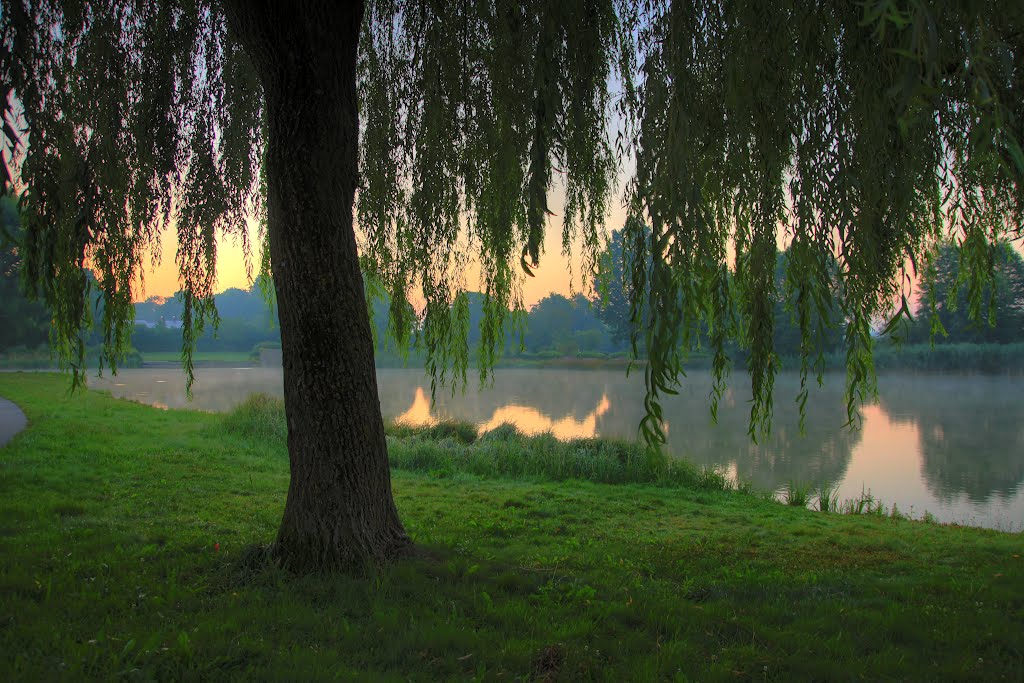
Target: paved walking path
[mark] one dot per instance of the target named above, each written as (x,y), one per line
(12,420)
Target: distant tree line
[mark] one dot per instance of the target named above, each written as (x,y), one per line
(616,282)
(247,320)
(557,326)
(944,314)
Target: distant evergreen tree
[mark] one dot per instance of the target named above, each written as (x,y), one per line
(23,321)
(615,281)
(952,309)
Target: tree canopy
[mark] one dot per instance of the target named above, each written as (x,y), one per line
(856,133)
(859,130)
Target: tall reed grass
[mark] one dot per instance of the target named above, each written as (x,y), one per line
(451,447)
(797,494)
(828,497)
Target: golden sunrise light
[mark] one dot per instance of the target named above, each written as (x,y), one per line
(164,280)
(556,273)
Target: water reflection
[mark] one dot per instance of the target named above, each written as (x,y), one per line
(953,446)
(527,419)
(821,454)
(419,412)
(214,390)
(554,395)
(532,421)
(971,433)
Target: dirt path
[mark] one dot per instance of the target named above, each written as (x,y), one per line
(12,421)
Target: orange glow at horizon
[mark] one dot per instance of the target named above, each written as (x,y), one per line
(555,273)
(164,280)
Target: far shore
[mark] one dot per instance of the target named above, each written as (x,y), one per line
(992,359)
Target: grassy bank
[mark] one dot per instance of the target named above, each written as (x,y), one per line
(455,448)
(43,359)
(123,533)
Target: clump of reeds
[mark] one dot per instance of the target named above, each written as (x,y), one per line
(828,497)
(259,416)
(797,494)
(865,504)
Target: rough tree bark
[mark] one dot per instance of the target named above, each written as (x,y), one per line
(340,512)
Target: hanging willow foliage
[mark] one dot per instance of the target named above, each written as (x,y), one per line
(122,119)
(857,133)
(862,132)
(467,109)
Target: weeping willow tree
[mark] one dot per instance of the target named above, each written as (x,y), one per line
(851,132)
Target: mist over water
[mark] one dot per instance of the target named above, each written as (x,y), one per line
(949,445)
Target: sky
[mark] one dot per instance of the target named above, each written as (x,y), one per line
(553,274)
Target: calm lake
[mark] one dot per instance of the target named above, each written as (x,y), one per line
(951,445)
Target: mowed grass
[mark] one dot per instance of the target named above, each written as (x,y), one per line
(126,533)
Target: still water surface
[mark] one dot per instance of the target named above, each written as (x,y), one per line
(949,445)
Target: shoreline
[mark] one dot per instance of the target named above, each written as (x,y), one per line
(129,532)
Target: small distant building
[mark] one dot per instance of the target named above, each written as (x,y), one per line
(165,323)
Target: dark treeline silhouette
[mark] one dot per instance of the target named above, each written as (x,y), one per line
(945,304)
(23,323)
(555,327)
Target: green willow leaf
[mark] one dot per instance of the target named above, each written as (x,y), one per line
(852,134)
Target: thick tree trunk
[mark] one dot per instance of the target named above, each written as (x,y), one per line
(340,512)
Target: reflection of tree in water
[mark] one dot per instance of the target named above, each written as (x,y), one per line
(532,421)
(821,454)
(553,393)
(526,418)
(971,431)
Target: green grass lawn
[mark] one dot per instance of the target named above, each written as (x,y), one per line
(124,533)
